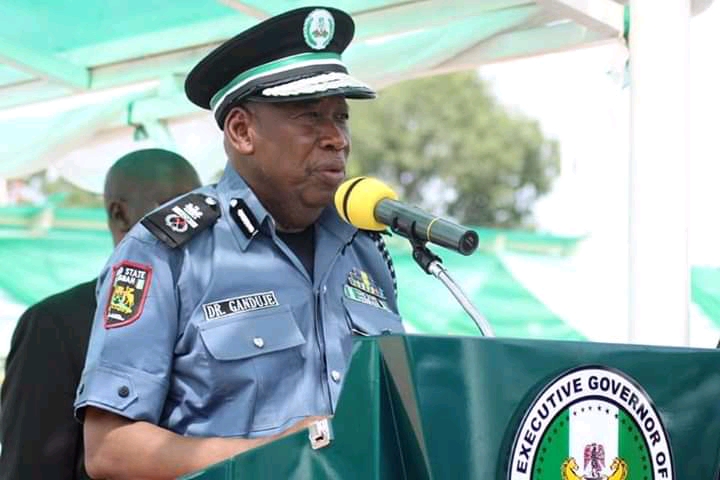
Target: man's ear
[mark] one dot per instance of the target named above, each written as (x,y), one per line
(118,217)
(239,130)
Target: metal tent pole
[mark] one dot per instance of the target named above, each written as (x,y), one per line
(658,239)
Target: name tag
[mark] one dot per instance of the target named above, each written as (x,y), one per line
(245,303)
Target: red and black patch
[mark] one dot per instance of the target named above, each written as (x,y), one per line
(128,292)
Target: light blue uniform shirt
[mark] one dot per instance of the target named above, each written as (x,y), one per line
(231,336)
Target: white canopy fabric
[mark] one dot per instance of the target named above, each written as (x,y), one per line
(76,78)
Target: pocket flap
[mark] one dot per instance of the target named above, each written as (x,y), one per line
(371,320)
(251,334)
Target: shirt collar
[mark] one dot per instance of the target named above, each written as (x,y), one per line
(232,185)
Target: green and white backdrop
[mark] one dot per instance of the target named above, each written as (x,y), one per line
(528,285)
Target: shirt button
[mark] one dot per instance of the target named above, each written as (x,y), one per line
(324,289)
(335,375)
(123,391)
(259,342)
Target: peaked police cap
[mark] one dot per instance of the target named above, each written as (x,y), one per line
(293,56)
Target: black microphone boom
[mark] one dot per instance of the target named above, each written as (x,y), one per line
(416,224)
(369,204)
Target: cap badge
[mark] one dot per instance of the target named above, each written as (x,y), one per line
(319,28)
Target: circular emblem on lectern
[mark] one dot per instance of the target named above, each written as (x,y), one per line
(591,423)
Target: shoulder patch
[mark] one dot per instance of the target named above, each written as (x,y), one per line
(128,292)
(177,222)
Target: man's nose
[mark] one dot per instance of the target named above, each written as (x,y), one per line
(333,135)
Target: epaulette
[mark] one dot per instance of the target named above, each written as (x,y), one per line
(180,220)
(380,244)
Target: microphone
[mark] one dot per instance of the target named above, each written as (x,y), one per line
(369,204)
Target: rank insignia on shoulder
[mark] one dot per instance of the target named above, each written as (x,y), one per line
(178,221)
(128,292)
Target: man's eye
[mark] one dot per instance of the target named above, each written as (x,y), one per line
(311,114)
(343,116)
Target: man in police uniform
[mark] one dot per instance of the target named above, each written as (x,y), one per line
(225,320)
(40,438)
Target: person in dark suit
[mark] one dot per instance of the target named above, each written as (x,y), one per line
(40,438)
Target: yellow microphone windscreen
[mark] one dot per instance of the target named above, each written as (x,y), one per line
(356,198)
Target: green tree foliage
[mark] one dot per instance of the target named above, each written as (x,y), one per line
(448,146)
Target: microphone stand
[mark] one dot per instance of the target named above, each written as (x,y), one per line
(432,265)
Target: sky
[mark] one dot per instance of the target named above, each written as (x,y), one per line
(578,102)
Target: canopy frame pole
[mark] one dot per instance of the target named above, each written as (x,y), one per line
(658,266)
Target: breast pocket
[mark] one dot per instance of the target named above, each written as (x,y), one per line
(364,319)
(249,355)
(251,334)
